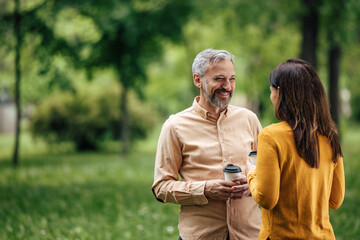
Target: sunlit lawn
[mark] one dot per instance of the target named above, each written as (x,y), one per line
(82,196)
(346,220)
(61,195)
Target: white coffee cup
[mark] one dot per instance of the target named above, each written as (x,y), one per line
(231,172)
(252,157)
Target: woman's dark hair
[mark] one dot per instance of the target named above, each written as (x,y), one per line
(303,105)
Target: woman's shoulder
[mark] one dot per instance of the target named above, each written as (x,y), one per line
(277,128)
(277,133)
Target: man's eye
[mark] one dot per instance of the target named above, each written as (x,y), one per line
(218,79)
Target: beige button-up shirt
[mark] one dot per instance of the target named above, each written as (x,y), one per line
(196,146)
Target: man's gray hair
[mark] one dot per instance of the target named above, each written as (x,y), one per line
(207,57)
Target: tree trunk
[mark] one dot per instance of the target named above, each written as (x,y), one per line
(309,28)
(17,22)
(334,29)
(125,131)
(334,59)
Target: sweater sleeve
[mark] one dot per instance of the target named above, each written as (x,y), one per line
(264,181)
(167,187)
(338,186)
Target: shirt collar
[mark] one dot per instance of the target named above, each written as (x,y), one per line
(204,113)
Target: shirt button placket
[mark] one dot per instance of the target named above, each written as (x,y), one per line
(222,143)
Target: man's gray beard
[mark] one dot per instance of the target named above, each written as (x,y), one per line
(212,98)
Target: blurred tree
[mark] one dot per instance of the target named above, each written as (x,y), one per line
(257,29)
(351,60)
(334,19)
(131,34)
(310,29)
(127,36)
(131,37)
(27,22)
(260,36)
(18,37)
(334,62)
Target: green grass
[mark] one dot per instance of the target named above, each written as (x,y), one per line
(56,194)
(82,196)
(346,220)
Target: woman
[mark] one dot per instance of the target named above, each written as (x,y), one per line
(299,172)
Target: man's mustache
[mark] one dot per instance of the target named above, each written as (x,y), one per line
(222,90)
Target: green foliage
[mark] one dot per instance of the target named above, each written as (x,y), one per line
(72,117)
(169,87)
(257,52)
(88,117)
(126,34)
(157,40)
(350,79)
(41,47)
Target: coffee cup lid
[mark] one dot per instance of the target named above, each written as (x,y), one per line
(231,168)
(252,153)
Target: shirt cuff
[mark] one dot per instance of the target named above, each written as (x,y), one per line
(198,190)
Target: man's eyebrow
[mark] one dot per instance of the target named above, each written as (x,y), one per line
(221,75)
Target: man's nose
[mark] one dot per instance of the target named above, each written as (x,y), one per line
(226,84)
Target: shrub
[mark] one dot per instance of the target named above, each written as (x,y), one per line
(88,117)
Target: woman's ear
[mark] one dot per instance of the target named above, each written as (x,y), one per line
(197,80)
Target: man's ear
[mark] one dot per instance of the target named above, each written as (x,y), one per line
(197,80)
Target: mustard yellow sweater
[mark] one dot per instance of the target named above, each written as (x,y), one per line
(294,197)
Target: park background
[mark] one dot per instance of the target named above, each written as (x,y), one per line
(91,83)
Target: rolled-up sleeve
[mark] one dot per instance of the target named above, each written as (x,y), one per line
(167,187)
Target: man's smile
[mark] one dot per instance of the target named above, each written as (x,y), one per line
(223,93)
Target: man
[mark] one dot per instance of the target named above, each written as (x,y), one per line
(197,144)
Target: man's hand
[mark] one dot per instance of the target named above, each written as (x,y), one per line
(218,189)
(241,189)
